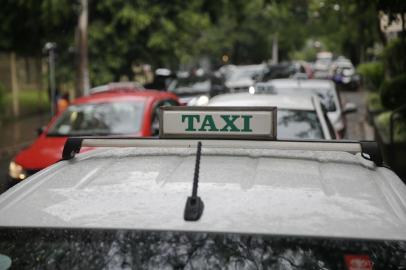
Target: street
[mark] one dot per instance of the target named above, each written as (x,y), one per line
(20,134)
(358,127)
(13,137)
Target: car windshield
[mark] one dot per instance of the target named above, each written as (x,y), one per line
(130,249)
(193,85)
(103,118)
(298,124)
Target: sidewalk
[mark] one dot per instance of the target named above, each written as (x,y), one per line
(20,133)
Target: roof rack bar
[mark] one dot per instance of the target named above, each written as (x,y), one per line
(369,149)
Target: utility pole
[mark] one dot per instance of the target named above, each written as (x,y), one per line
(14,84)
(275,49)
(82,73)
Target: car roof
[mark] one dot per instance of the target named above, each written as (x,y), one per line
(344,64)
(302,102)
(119,94)
(252,190)
(313,83)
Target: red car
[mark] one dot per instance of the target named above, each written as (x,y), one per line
(117,111)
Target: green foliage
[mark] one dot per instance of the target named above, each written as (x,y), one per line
(394,57)
(33,101)
(176,33)
(30,102)
(373,75)
(2,98)
(393,92)
(307,53)
(374,101)
(382,122)
(344,27)
(27,25)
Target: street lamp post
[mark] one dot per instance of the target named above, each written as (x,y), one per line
(50,49)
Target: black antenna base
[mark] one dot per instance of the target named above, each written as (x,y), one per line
(193,208)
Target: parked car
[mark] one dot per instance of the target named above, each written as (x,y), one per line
(298,69)
(344,74)
(201,203)
(298,117)
(324,89)
(108,111)
(241,78)
(322,66)
(196,89)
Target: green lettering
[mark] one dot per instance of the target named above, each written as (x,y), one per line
(246,123)
(230,119)
(189,119)
(208,122)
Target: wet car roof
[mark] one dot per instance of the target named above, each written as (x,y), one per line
(118,94)
(313,193)
(301,83)
(280,101)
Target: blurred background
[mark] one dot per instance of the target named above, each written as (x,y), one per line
(55,51)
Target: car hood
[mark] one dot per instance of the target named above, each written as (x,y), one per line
(44,152)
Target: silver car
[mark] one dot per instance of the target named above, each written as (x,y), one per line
(298,117)
(326,91)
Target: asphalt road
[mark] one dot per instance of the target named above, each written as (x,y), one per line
(17,135)
(13,137)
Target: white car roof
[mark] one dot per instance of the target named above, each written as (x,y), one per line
(292,83)
(258,190)
(281,101)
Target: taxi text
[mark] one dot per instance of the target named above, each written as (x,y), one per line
(228,123)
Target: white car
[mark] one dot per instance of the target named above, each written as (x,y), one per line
(298,117)
(326,91)
(255,204)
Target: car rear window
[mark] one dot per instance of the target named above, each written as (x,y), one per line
(29,248)
(190,85)
(299,124)
(102,118)
(327,95)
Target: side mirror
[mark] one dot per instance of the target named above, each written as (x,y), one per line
(155,125)
(350,108)
(40,130)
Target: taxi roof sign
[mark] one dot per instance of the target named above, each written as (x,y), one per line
(218,122)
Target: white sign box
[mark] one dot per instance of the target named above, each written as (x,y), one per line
(218,122)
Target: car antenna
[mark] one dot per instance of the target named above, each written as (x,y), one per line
(194,205)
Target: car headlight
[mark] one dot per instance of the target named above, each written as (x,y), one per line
(16,171)
(199,101)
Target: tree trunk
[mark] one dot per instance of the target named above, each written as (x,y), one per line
(14,85)
(82,76)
